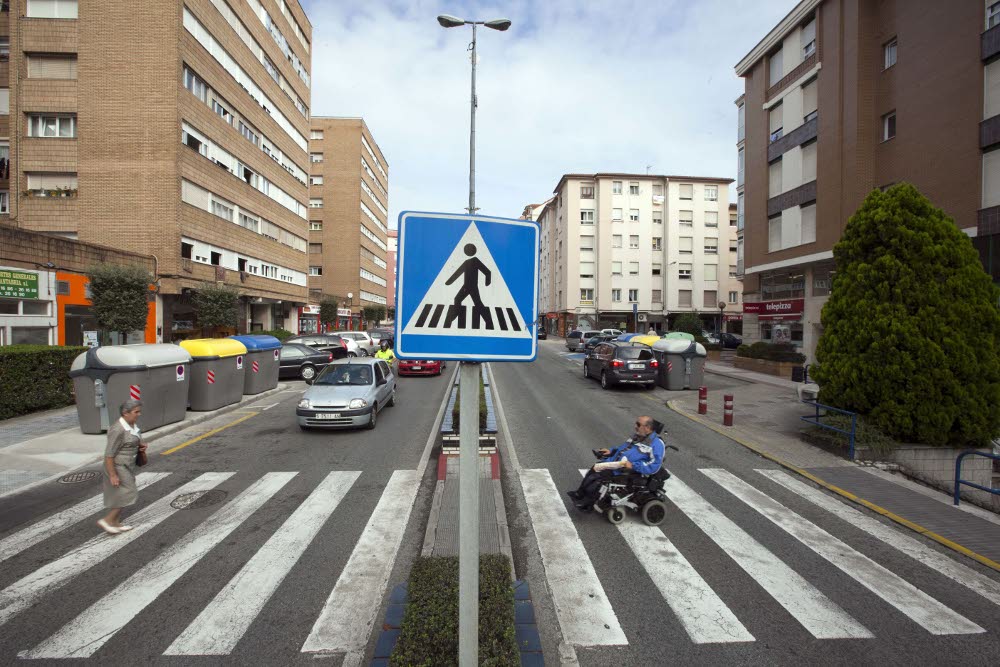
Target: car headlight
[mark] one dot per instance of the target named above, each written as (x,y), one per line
(358,403)
(305,404)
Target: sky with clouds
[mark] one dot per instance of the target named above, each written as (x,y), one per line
(574,86)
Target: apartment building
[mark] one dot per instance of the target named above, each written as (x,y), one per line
(546,297)
(175,129)
(390,270)
(844,96)
(633,251)
(348,215)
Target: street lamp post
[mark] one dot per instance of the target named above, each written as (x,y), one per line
(350,310)
(468,461)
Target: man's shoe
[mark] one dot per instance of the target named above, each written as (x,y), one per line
(575,495)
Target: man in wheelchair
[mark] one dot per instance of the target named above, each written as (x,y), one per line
(630,476)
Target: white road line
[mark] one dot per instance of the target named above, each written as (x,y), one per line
(582,607)
(88,632)
(976,582)
(348,616)
(14,544)
(705,617)
(221,625)
(52,576)
(816,612)
(927,612)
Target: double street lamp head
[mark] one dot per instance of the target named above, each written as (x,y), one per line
(449,21)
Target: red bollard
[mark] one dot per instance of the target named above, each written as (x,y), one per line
(727,410)
(702,400)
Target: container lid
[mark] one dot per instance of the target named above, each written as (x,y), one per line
(213,348)
(131,357)
(700,350)
(681,335)
(626,337)
(672,345)
(644,340)
(259,342)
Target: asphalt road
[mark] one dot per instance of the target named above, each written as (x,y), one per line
(722,565)
(214,569)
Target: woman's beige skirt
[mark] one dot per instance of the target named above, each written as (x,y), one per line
(123,495)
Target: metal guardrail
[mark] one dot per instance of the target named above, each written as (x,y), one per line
(815,419)
(958,474)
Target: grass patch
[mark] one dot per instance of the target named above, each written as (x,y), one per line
(455,417)
(867,436)
(429,635)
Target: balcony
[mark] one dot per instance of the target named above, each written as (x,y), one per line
(989,44)
(791,77)
(796,137)
(796,197)
(989,132)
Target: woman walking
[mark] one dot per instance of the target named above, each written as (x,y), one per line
(120,489)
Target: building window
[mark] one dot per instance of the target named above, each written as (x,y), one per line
(315,202)
(315,270)
(684,298)
(732,245)
(783,284)
(195,84)
(710,299)
(774,233)
(657,191)
(633,241)
(684,271)
(808,223)
(740,123)
(733,271)
(822,279)
(686,218)
(657,243)
(4,46)
(616,214)
(52,9)
(992,15)
(657,217)
(809,100)
(587,242)
(739,167)
(52,66)
(29,335)
(316,134)
(586,269)
(711,272)
(633,268)
(4,202)
(46,184)
(616,241)
(633,215)
(686,191)
(711,245)
(586,217)
(587,191)
(775,119)
(63,127)
(775,68)
(316,180)
(315,157)
(711,193)
(222,208)
(657,296)
(633,295)
(685,245)
(889,126)
(315,226)
(616,268)
(890,53)
(616,295)
(633,187)
(711,218)
(219,108)
(249,134)
(249,222)
(739,212)
(734,297)
(587,295)
(809,38)
(774,186)
(616,187)
(657,269)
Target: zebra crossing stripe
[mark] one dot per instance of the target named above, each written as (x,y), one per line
(705,617)
(24,593)
(221,625)
(88,632)
(976,582)
(927,612)
(456,317)
(14,544)
(582,607)
(816,612)
(349,613)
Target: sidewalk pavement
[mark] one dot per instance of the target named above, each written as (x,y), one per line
(766,420)
(40,447)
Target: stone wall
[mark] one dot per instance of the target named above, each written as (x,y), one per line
(32,250)
(935,466)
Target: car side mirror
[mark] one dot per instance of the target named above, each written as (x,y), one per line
(381,382)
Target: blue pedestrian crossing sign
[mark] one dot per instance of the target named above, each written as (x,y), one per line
(466,288)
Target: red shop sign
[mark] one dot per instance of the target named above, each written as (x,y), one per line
(770,309)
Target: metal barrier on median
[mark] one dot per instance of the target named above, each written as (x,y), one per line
(958,474)
(815,419)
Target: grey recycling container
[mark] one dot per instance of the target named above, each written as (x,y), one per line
(260,370)
(105,377)
(217,372)
(682,363)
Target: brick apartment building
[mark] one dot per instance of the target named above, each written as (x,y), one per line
(348,215)
(172,129)
(390,271)
(844,96)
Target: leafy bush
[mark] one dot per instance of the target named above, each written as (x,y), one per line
(456,411)
(34,377)
(280,334)
(215,306)
(743,350)
(689,323)
(911,331)
(119,295)
(771,352)
(328,311)
(429,634)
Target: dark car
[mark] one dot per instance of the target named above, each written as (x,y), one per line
(621,363)
(378,335)
(731,341)
(541,333)
(325,342)
(594,341)
(302,361)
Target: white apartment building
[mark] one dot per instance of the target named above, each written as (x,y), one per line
(655,246)
(542,214)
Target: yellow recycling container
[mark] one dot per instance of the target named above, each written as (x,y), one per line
(217,372)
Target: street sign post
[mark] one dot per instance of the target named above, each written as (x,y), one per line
(466,289)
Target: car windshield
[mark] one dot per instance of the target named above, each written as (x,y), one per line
(634,353)
(343,375)
(575,334)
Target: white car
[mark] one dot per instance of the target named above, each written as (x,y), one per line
(363,344)
(611,332)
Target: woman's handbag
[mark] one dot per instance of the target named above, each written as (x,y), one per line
(140,457)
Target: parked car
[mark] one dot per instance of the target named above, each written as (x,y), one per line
(576,339)
(710,336)
(621,363)
(611,332)
(542,335)
(731,341)
(347,393)
(302,361)
(378,334)
(425,367)
(326,342)
(366,346)
(593,341)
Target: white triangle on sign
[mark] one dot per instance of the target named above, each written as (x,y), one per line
(439,315)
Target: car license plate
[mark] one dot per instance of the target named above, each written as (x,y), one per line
(328,415)
(417,368)
(634,366)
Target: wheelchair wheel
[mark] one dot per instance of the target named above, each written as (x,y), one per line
(654,512)
(615,515)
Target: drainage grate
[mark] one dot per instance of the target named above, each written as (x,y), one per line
(198,500)
(77,477)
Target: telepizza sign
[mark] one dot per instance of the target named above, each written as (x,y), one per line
(776,310)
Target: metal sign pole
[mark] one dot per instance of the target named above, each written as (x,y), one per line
(468,516)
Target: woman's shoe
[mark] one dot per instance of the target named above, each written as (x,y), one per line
(107,527)
(123,529)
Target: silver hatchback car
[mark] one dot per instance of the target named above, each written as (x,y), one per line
(347,394)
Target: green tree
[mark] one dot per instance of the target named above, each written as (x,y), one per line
(328,311)
(369,313)
(119,295)
(390,313)
(689,323)
(379,315)
(215,306)
(911,329)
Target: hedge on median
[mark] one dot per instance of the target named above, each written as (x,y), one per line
(429,634)
(34,377)
(456,411)
(771,352)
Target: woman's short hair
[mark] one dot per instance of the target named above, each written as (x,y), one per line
(129,405)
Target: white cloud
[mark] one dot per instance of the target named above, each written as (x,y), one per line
(571,87)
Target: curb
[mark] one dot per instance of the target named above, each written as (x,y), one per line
(168,429)
(917,528)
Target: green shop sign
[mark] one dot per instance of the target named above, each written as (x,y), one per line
(18,284)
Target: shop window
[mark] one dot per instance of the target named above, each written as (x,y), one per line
(34,307)
(8,306)
(29,336)
(789,284)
